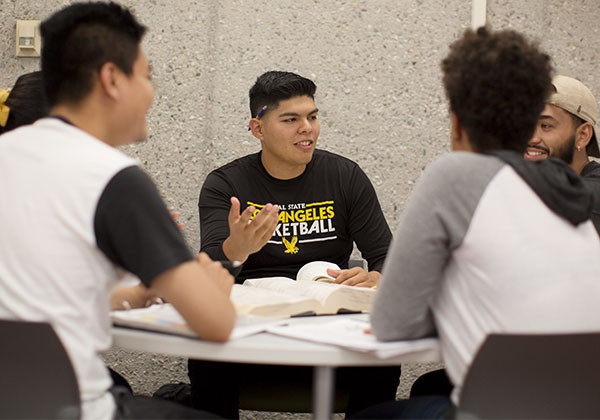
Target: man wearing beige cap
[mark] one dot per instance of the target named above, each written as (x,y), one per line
(566,130)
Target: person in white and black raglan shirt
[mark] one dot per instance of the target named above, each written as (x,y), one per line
(283,207)
(76,213)
(488,242)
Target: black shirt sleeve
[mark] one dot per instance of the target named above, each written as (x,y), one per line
(213,207)
(367,224)
(135,230)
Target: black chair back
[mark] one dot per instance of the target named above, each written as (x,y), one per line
(38,380)
(550,376)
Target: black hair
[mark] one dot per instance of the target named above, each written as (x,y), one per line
(78,40)
(26,101)
(273,87)
(497,84)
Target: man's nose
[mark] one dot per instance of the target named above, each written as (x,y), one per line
(305,126)
(536,138)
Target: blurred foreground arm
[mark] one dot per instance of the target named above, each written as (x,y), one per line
(199,290)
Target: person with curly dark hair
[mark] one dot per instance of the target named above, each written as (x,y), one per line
(494,82)
(472,253)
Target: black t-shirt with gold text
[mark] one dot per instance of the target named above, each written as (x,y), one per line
(322,212)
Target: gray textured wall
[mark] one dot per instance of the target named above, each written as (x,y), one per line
(376,64)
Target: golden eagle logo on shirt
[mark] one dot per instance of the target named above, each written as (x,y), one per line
(290,246)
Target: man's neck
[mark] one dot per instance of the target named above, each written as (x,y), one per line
(82,117)
(281,170)
(579,162)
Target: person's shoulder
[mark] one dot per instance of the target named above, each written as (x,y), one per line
(328,156)
(131,184)
(240,164)
(591,178)
(457,162)
(591,170)
(459,169)
(326,160)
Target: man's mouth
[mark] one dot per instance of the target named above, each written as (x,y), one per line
(536,153)
(305,143)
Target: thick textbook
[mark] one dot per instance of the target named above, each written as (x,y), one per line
(309,294)
(165,318)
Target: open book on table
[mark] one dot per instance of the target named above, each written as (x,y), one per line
(309,294)
(165,318)
(353,334)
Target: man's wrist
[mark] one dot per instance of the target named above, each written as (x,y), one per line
(231,253)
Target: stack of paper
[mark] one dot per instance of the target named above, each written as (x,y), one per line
(353,334)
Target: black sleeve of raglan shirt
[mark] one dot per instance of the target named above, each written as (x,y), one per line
(134,228)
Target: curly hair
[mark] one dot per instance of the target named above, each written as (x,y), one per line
(497,84)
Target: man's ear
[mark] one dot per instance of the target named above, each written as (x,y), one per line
(583,135)
(256,127)
(108,78)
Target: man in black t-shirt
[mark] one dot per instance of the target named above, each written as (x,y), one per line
(566,130)
(298,204)
(283,207)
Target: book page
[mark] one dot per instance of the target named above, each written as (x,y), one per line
(352,334)
(316,271)
(165,318)
(292,288)
(330,296)
(352,298)
(272,301)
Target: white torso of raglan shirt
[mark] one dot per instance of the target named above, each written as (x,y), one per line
(51,177)
(479,250)
(517,259)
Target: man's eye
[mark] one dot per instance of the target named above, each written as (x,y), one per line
(288,120)
(313,117)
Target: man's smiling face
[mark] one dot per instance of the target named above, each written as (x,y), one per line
(554,136)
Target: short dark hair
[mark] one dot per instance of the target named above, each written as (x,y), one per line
(79,39)
(497,84)
(26,101)
(273,87)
